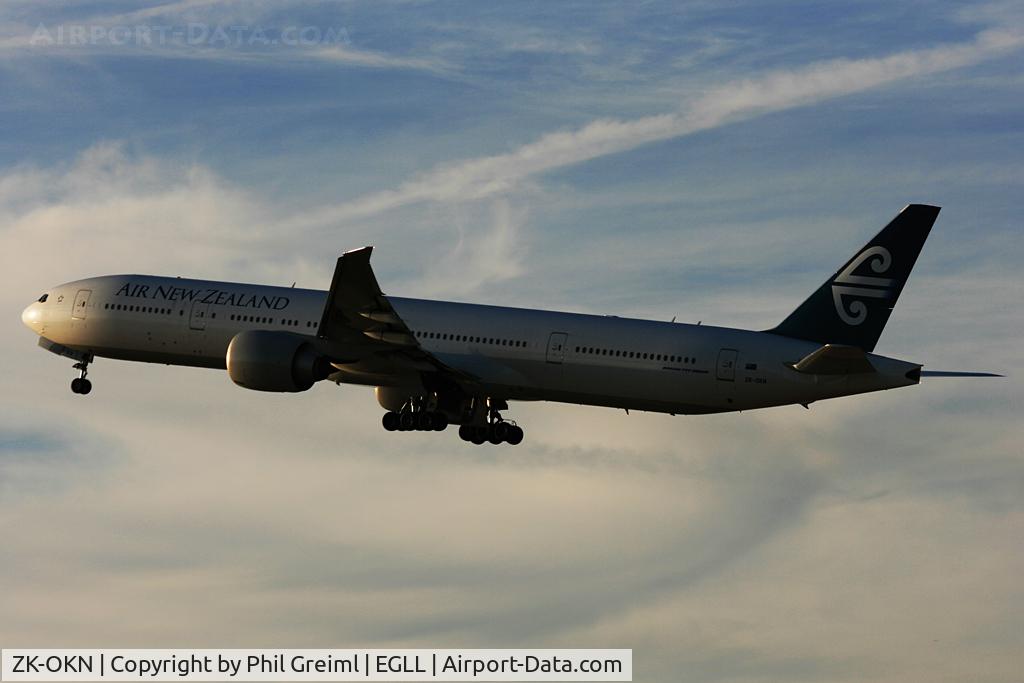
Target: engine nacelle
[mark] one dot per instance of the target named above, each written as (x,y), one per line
(265,360)
(394,398)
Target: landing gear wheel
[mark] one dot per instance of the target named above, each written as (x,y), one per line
(478,435)
(80,385)
(424,422)
(499,432)
(492,434)
(390,421)
(438,422)
(466,432)
(515,435)
(407,422)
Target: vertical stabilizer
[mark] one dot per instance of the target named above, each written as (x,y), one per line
(853,305)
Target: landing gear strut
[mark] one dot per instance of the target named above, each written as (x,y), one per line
(80,385)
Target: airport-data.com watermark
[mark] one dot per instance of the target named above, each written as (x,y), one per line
(192,34)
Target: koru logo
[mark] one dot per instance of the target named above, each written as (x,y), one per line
(867,286)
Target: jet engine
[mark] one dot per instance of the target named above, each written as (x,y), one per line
(265,360)
(395,398)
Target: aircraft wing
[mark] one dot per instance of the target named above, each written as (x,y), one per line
(357,310)
(365,330)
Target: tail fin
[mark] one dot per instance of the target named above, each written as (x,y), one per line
(852,307)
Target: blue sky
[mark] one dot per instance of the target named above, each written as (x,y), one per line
(711,161)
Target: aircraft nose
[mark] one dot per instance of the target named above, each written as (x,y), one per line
(30,316)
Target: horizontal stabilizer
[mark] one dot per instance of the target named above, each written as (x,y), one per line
(948,373)
(834,359)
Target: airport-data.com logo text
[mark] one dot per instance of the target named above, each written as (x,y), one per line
(192,34)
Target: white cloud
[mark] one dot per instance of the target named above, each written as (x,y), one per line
(108,211)
(483,177)
(203,30)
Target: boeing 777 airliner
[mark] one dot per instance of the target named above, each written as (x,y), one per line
(436,363)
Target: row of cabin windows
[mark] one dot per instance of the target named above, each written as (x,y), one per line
(445,336)
(664,357)
(137,309)
(290,322)
(236,317)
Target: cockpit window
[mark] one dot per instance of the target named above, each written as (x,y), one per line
(42,299)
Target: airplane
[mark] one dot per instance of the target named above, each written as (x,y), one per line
(435,363)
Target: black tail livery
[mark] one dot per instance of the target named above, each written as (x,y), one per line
(853,305)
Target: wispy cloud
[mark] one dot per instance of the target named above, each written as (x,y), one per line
(203,30)
(483,177)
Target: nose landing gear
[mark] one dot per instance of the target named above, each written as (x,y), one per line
(80,385)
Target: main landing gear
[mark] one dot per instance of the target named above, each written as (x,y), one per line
(80,385)
(481,418)
(409,420)
(496,430)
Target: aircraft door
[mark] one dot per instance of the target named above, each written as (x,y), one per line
(197,318)
(81,304)
(556,347)
(727,365)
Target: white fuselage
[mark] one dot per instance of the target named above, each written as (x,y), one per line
(518,354)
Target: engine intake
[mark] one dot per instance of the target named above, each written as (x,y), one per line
(265,360)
